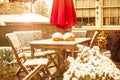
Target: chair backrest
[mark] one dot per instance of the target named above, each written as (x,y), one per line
(25,37)
(16,46)
(79,33)
(93,39)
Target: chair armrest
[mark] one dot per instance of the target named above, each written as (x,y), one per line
(26,48)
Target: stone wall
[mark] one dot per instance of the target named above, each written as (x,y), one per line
(46,28)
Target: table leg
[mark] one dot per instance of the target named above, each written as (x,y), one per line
(60,55)
(59,60)
(32,52)
(72,53)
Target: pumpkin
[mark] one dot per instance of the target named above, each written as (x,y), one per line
(69,36)
(57,36)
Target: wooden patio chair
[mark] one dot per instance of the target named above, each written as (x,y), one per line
(90,44)
(24,38)
(31,67)
(93,39)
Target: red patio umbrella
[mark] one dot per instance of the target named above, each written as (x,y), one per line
(63,14)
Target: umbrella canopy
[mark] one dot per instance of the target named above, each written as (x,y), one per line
(63,14)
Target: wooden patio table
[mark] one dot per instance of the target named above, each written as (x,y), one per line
(57,45)
(50,44)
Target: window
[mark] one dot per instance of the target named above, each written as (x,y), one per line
(85,10)
(97,13)
(111,12)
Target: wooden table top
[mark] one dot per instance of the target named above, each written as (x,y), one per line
(51,42)
(57,45)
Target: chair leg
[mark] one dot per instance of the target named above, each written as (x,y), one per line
(18,71)
(52,60)
(34,72)
(37,77)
